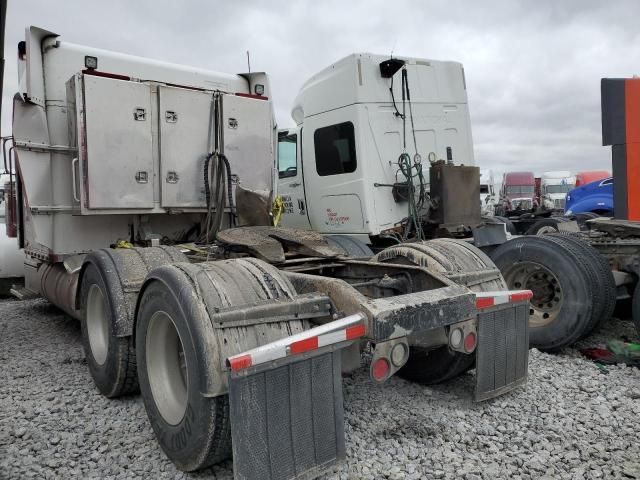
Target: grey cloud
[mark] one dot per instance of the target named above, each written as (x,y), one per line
(533,68)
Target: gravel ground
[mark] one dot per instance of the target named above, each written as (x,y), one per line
(572,420)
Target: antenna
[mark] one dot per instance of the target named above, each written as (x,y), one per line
(248,61)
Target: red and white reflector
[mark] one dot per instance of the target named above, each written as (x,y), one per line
(348,328)
(491,299)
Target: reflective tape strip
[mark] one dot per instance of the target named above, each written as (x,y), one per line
(348,328)
(491,299)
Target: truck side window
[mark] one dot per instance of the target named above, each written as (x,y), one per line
(287,159)
(335,149)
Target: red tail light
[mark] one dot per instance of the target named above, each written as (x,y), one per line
(380,369)
(470,342)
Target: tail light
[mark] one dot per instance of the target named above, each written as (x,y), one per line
(380,369)
(462,336)
(388,357)
(470,342)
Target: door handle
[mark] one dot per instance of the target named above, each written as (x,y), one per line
(74,164)
(294,184)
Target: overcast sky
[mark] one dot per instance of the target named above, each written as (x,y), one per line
(533,68)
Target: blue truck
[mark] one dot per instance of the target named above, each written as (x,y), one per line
(594,197)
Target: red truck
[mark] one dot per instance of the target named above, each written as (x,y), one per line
(582,178)
(518,193)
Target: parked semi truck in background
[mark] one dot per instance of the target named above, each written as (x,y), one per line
(518,193)
(488,196)
(553,189)
(582,178)
(144,193)
(595,197)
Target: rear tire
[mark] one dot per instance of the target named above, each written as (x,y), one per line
(193,430)
(605,284)
(111,359)
(560,310)
(178,352)
(109,285)
(432,366)
(541,227)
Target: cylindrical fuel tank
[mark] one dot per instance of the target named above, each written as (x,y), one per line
(59,287)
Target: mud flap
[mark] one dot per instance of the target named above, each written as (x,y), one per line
(502,354)
(287,417)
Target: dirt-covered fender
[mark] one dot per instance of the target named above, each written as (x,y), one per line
(124,271)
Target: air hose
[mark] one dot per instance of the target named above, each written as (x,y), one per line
(410,168)
(217,176)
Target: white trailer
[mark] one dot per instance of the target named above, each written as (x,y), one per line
(145,191)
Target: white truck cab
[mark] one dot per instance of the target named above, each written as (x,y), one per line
(554,187)
(488,195)
(337,168)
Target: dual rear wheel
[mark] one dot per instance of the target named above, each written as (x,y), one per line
(573,287)
(448,257)
(109,285)
(181,352)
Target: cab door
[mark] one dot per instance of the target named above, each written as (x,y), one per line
(291,181)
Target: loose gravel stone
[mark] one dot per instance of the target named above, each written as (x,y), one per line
(571,420)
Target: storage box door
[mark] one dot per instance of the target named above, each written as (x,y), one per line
(184,131)
(249,141)
(117,169)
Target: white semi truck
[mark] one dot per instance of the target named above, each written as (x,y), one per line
(144,194)
(488,196)
(554,187)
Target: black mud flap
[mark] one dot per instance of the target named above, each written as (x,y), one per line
(502,354)
(287,417)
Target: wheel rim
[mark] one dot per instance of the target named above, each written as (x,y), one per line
(546,229)
(166,368)
(547,292)
(97,324)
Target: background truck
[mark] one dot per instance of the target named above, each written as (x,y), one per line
(553,189)
(591,198)
(582,178)
(488,196)
(603,262)
(144,198)
(518,193)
